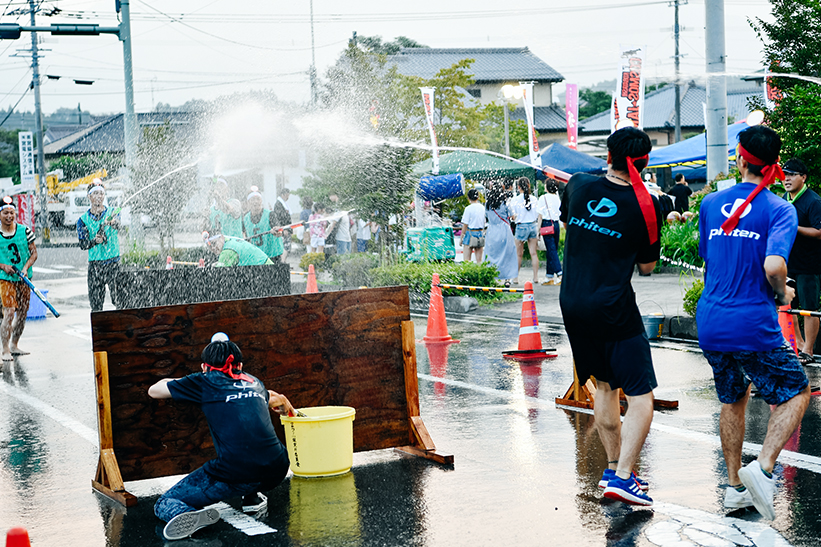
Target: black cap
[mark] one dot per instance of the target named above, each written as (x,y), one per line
(794,165)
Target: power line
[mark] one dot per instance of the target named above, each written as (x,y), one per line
(31,86)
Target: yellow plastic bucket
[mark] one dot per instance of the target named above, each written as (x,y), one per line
(321,443)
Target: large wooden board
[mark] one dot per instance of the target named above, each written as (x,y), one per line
(335,348)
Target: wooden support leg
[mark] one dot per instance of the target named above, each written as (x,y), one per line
(421,442)
(108,480)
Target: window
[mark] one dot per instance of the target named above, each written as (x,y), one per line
(477,93)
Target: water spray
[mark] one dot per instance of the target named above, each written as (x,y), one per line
(146,187)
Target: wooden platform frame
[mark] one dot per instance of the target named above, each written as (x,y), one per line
(581,395)
(108,478)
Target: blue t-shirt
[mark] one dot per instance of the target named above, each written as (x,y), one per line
(247,448)
(737,310)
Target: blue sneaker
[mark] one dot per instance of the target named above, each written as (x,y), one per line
(608,475)
(626,490)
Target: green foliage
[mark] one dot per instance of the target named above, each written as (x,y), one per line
(691,297)
(493,127)
(317,259)
(417,276)
(374,44)
(10,155)
(82,166)
(597,101)
(353,269)
(140,257)
(792,44)
(680,242)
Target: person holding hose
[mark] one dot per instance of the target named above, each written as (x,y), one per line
(98,231)
(16,251)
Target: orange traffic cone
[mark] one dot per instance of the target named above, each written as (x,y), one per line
(168,264)
(438,359)
(201,263)
(437,324)
(530,341)
(17,537)
(311,280)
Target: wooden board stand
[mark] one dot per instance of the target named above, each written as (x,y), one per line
(584,396)
(350,348)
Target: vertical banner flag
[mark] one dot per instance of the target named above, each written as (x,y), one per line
(772,95)
(571,99)
(532,141)
(628,103)
(427,101)
(26,142)
(25,210)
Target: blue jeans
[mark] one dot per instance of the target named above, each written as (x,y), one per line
(551,245)
(362,245)
(343,247)
(198,490)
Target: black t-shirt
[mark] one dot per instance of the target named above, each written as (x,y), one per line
(805,257)
(248,450)
(606,236)
(682,194)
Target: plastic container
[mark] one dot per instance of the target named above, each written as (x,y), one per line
(436,188)
(653,325)
(431,243)
(37,310)
(321,443)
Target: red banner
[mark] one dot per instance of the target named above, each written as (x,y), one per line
(25,210)
(572,114)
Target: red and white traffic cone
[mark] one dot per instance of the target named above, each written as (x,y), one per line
(312,287)
(17,537)
(437,324)
(168,264)
(530,341)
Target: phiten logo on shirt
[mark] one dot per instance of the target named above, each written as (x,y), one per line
(605,208)
(727,211)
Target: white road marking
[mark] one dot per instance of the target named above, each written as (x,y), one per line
(63,267)
(78,334)
(38,269)
(795,459)
(242,522)
(70,423)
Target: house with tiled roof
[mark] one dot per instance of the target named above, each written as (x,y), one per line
(493,68)
(660,114)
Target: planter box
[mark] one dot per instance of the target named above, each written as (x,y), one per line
(682,326)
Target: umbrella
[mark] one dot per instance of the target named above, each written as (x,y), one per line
(568,160)
(475,166)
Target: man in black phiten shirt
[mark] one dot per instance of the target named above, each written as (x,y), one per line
(682,193)
(804,264)
(612,225)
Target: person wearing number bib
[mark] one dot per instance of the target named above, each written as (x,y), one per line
(235,252)
(258,223)
(98,232)
(17,249)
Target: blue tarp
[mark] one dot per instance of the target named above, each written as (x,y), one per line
(694,149)
(568,160)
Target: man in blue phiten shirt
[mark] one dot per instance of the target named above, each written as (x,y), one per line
(746,234)
(98,232)
(17,249)
(250,457)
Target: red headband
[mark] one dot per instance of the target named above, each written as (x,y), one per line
(227,369)
(648,210)
(770,172)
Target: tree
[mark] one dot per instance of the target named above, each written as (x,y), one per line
(595,102)
(792,44)
(10,155)
(374,44)
(82,166)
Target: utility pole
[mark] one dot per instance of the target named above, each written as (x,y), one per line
(130,125)
(313,59)
(38,128)
(677,32)
(716,90)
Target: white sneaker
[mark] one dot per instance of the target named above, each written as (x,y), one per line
(254,503)
(760,487)
(185,524)
(733,499)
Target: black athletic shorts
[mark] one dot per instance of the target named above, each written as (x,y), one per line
(624,364)
(807,292)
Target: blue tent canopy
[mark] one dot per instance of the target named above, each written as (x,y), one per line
(568,160)
(694,149)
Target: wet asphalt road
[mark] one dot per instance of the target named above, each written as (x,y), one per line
(525,471)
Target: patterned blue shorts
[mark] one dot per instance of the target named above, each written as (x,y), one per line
(776,373)
(526,230)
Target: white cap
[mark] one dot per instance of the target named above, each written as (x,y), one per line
(219,337)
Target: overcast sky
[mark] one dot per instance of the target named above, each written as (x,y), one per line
(202,49)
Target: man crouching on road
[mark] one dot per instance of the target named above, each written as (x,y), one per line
(612,225)
(250,458)
(746,233)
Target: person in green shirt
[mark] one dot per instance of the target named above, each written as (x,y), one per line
(234,251)
(259,220)
(224,217)
(17,249)
(98,232)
